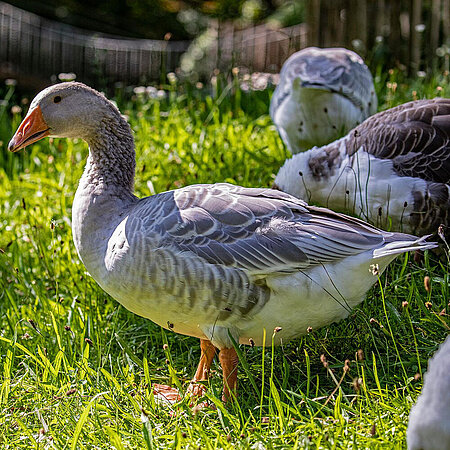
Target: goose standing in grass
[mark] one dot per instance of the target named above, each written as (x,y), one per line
(322,94)
(429,420)
(393,169)
(217,262)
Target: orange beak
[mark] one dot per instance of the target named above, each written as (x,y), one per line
(32,128)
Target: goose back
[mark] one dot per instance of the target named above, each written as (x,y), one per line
(394,166)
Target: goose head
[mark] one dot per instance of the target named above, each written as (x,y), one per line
(69,110)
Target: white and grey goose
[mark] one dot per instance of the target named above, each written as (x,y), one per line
(393,169)
(429,420)
(322,94)
(208,261)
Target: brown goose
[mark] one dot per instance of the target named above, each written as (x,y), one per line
(393,169)
(322,94)
(212,261)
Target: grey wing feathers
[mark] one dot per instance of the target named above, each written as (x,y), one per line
(334,69)
(415,136)
(260,230)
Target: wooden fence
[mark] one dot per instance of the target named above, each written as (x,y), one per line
(259,48)
(35,49)
(410,33)
(415,33)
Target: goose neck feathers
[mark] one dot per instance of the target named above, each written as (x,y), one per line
(111,163)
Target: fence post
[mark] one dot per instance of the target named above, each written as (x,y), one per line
(313,21)
(434,29)
(415,35)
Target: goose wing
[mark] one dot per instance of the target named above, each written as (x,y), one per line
(415,136)
(259,230)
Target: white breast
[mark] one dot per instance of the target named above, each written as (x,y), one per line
(315,298)
(309,117)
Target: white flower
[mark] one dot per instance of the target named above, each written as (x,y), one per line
(172,77)
(139,90)
(420,28)
(374,269)
(69,76)
(16,109)
(161,94)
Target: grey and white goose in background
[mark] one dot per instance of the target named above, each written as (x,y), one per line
(209,261)
(392,170)
(429,420)
(322,94)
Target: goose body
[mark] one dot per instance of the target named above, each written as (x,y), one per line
(429,420)
(322,94)
(210,261)
(392,170)
(207,260)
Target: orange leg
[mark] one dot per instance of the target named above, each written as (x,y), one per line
(229,361)
(202,373)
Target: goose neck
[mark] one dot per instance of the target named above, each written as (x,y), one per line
(111,162)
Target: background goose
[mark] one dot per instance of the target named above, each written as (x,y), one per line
(210,261)
(429,421)
(393,169)
(322,94)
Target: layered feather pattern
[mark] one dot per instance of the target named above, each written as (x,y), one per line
(393,169)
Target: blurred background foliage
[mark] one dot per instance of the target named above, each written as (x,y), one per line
(153,19)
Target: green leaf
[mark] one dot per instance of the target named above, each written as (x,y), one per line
(83,419)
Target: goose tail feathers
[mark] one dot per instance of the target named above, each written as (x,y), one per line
(404,245)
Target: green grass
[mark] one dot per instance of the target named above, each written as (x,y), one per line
(76,368)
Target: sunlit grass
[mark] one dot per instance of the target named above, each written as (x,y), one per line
(76,368)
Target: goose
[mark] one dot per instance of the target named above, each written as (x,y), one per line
(429,420)
(322,94)
(219,262)
(392,170)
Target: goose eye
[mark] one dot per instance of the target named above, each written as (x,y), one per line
(57,99)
